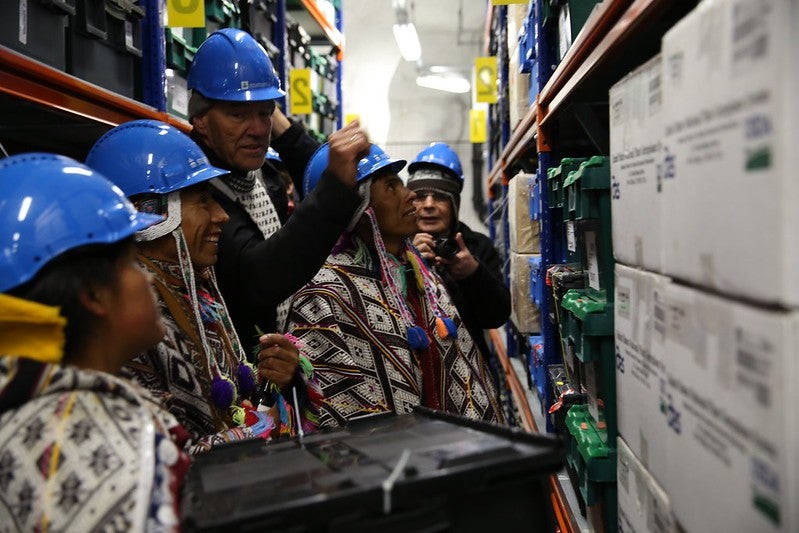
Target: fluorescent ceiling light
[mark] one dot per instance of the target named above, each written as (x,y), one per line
(443,79)
(408,41)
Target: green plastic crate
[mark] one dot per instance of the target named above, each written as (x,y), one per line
(555,178)
(589,323)
(587,190)
(591,455)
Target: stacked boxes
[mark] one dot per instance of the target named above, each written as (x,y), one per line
(640,364)
(636,166)
(728,406)
(643,504)
(731,79)
(524,244)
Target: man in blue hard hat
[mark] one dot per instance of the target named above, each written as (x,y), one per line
(232,109)
(378,325)
(466,260)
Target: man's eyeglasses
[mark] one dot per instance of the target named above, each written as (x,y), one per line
(421,196)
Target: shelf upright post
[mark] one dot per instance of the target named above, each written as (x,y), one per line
(279,40)
(544,58)
(154,56)
(340,67)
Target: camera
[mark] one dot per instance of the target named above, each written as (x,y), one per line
(446,247)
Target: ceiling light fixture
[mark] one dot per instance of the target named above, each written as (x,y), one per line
(443,79)
(408,41)
(405,31)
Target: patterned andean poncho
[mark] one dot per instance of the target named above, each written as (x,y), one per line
(184,375)
(80,450)
(350,323)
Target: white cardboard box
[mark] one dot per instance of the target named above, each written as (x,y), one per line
(731,149)
(640,364)
(644,506)
(729,403)
(636,136)
(524,232)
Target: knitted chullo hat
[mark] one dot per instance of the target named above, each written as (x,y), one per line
(437,168)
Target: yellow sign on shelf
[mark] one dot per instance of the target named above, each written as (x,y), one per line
(349,117)
(478,126)
(485,81)
(300,95)
(185,13)
(506,2)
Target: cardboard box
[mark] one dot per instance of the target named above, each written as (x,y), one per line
(640,364)
(643,504)
(518,89)
(636,136)
(731,132)
(524,232)
(729,403)
(525,315)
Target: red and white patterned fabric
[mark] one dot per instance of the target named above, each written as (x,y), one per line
(351,328)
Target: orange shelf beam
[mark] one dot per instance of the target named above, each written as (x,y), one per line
(35,82)
(617,21)
(328,26)
(522,138)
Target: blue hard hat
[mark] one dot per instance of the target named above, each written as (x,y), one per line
(272,155)
(438,154)
(230,65)
(376,160)
(50,204)
(148,156)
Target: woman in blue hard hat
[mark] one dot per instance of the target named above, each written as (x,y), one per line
(232,109)
(377,324)
(80,449)
(200,369)
(465,259)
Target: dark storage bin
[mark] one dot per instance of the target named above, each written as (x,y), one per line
(39,32)
(461,475)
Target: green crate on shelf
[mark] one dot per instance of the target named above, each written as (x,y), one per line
(588,322)
(555,178)
(587,190)
(591,456)
(179,54)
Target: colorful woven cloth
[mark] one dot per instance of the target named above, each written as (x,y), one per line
(84,451)
(351,327)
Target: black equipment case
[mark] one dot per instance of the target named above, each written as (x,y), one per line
(426,471)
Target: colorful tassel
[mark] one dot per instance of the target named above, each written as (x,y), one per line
(223,392)
(238,414)
(452,329)
(306,367)
(245,376)
(417,338)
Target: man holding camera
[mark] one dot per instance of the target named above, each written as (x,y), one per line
(466,260)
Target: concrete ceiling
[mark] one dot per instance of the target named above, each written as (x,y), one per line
(380,87)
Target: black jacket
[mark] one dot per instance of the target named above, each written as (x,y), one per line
(482,299)
(255,274)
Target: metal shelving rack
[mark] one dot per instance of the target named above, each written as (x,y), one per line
(43,108)
(618,36)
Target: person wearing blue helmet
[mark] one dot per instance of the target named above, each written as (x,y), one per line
(80,448)
(263,256)
(465,259)
(200,369)
(292,195)
(376,323)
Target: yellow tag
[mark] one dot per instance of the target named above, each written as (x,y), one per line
(301,98)
(478,129)
(506,2)
(349,117)
(185,13)
(485,79)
